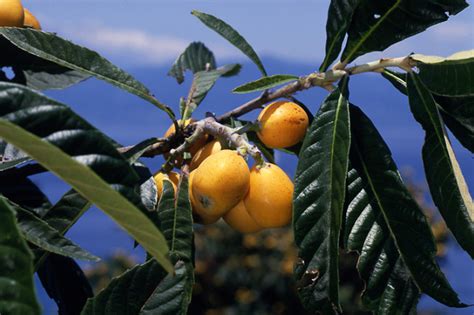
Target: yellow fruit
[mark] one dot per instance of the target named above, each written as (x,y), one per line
(193,149)
(240,220)
(31,20)
(283,124)
(269,200)
(206,151)
(219,183)
(11,13)
(158,177)
(198,218)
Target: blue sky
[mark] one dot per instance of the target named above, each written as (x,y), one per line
(153,32)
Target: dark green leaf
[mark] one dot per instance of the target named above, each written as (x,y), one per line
(395,213)
(65,283)
(264,83)
(389,288)
(47,76)
(135,152)
(173,294)
(176,221)
(145,289)
(196,57)
(458,115)
(203,82)
(457,112)
(22,191)
(53,48)
(229,33)
(17,293)
(339,19)
(451,76)
(318,203)
(377,25)
(78,153)
(447,185)
(10,156)
(41,234)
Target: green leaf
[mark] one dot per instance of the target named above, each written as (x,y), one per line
(173,294)
(457,112)
(47,76)
(339,19)
(176,220)
(230,34)
(264,83)
(17,293)
(65,282)
(320,184)
(10,156)
(79,154)
(389,287)
(196,57)
(145,289)
(458,115)
(377,25)
(396,214)
(41,234)
(53,48)
(451,76)
(447,185)
(203,82)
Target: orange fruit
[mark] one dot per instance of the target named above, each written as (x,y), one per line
(206,151)
(31,20)
(270,197)
(198,218)
(240,220)
(11,13)
(283,124)
(219,183)
(159,176)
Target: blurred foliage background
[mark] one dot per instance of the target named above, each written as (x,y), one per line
(252,274)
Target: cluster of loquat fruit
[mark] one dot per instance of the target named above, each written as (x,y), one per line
(221,185)
(12,13)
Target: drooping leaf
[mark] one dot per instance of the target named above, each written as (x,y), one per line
(145,289)
(457,112)
(318,203)
(196,57)
(176,221)
(230,34)
(205,80)
(35,72)
(173,294)
(78,153)
(55,49)
(451,76)
(264,83)
(385,199)
(447,185)
(22,191)
(48,76)
(17,293)
(458,115)
(41,234)
(339,19)
(65,283)
(389,287)
(376,25)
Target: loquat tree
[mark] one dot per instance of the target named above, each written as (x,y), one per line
(347,194)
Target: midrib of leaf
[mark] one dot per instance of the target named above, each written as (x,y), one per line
(448,154)
(379,203)
(371,30)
